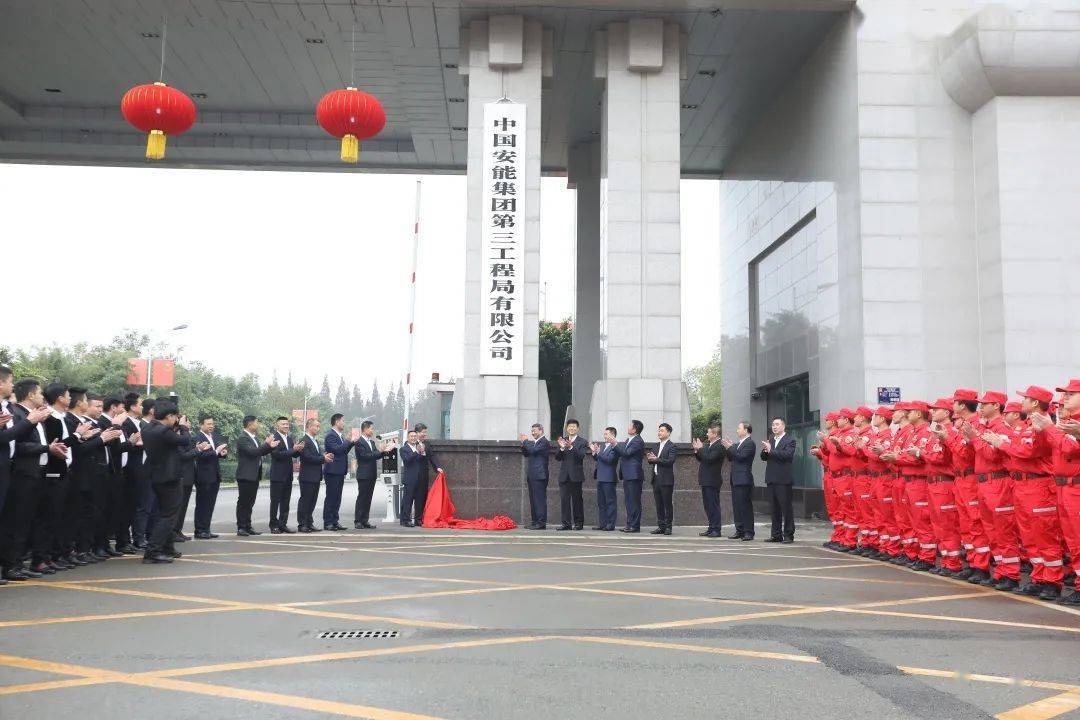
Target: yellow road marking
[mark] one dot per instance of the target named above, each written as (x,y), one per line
(953,618)
(113,616)
(1043,709)
(721,619)
(761,654)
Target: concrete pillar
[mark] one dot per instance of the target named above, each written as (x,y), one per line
(502,56)
(583,175)
(640,324)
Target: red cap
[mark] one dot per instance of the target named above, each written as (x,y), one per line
(864,411)
(964,394)
(943,404)
(901,406)
(1012,407)
(918,405)
(884,411)
(831,416)
(1073,386)
(993,396)
(847,413)
(1035,392)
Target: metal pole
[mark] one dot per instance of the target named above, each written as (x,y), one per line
(149,364)
(412,311)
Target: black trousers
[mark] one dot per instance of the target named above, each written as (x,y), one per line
(144,505)
(49,530)
(20,510)
(305,507)
(107,507)
(607,507)
(331,505)
(362,509)
(782,511)
(538,500)
(205,499)
(665,510)
(68,520)
(280,496)
(742,506)
(168,505)
(245,501)
(185,502)
(572,504)
(632,501)
(413,498)
(710,499)
(124,520)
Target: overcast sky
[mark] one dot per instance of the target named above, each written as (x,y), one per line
(286,271)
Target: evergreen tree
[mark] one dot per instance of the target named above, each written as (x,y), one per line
(341,400)
(357,405)
(325,392)
(375,406)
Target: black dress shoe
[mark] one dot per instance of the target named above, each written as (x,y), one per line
(407,524)
(198,536)
(31,573)
(275,531)
(87,558)
(253,531)
(43,568)
(599,527)
(128,549)
(579,527)
(156,559)
(562,527)
(339,527)
(141,544)
(76,560)
(368,526)
(242,532)
(16,575)
(609,528)
(100,554)
(630,530)
(657,531)
(175,554)
(788,541)
(112,553)
(303,529)
(179,537)
(667,531)
(736,536)
(710,534)
(285,529)
(774,539)
(213,535)
(536,526)
(747,538)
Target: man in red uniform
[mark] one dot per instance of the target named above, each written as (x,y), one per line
(914,470)
(940,475)
(844,478)
(995,491)
(1063,439)
(1030,462)
(901,432)
(975,537)
(822,452)
(865,507)
(881,476)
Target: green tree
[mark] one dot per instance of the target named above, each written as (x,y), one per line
(703,384)
(556,360)
(341,399)
(325,392)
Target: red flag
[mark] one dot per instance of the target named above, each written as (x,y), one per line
(164,371)
(136,371)
(439,512)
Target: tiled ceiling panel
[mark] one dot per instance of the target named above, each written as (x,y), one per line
(258,67)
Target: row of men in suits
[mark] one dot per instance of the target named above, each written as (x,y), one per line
(626,460)
(321,462)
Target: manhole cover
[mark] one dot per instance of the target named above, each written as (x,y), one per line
(356,634)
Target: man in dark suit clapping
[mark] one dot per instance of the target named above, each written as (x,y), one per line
(710,456)
(778,455)
(312,460)
(368,454)
(281,476)
(741,453)
(207,476)
(607,476)
(249,470)
(572,451)
(631,468)
(663,480)
(536,450)
(162,440)
(335,443)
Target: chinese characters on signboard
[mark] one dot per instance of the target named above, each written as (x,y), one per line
(888,395)
(502,276)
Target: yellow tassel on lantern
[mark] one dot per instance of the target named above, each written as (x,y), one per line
(155,145)
(350,149)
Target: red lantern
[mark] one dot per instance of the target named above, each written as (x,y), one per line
(352,115)
(159,110)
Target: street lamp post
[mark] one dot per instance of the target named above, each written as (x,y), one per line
(150,355)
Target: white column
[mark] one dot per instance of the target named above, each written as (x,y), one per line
(502,57)
(639,229)
(583,175)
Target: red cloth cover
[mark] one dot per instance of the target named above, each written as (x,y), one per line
(439,512)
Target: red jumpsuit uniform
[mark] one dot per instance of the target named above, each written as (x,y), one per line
(943,510)
(966,489)
(828,485)
(862,492)
(881,477)
(844,478)
(913,469)
(1030,461)
(996,500)
(1066,460)
(901,507)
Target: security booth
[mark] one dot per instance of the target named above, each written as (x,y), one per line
(390,476)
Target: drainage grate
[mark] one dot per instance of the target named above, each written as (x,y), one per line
(356,634)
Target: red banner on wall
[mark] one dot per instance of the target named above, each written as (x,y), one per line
(312,414)
(136,371)
(164,372)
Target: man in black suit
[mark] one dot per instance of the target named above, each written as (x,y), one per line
(162,440)
(536,450)
(13,426)
(281,476)
(113,417)
(571,453)
(778,455)
(663,479)
(249,470)
(207,476)
(32,453)
(710,456)
(134,513)
(418,461)
(368,454)
(741,453)
(187,455)
(90,479)
(632,472)
(312,459)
